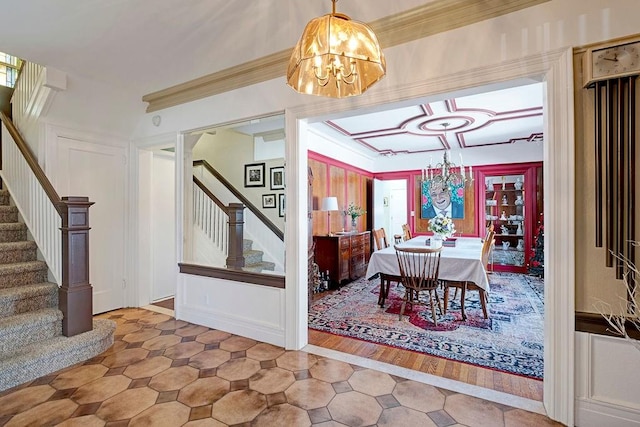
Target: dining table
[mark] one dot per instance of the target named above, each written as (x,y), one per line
(460,261)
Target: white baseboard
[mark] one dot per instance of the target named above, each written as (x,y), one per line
(220,321)
(590,413)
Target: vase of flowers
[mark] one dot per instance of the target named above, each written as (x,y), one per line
(354,212)
(442,228)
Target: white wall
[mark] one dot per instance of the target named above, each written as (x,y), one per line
(163,226)
(228,152)
(88,164)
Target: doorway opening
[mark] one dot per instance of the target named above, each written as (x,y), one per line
(555,70)
(390,200)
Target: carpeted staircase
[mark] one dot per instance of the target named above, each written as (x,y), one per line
(31,340)
(253,258)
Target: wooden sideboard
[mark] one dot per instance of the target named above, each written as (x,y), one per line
(345,256)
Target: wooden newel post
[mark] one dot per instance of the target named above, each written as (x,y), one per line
(75,294)
(235,257)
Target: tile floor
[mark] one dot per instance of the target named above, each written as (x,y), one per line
(166,372)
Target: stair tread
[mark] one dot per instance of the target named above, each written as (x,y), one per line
(100,326)
(44,315)
(12,226)
(33,288)
(52,354)
(22,244)
(24,266)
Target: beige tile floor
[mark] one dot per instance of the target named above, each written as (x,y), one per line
(166,372)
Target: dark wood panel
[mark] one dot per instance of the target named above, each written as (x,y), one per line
(319,191)
(594,323)
(337,179)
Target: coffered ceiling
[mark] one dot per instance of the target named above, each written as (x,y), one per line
(507,116)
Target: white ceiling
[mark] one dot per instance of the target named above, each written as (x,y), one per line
(149,45)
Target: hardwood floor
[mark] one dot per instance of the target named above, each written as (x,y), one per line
(167,303)
(482,377)
(463,372)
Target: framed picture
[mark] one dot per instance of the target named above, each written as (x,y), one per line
(277,178)
(281,205)
(254,175)
(268,201)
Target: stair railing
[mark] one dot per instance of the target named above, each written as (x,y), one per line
(257,227)
(59,226)
(22,100)
(218,222)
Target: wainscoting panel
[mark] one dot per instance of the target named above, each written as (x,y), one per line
(244,309)
(607,382)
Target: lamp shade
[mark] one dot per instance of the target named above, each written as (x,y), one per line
(335,57)
(329,204)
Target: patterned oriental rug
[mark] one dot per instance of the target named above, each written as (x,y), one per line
(511,340)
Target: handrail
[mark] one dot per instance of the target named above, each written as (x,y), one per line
(33,164)
(60,228)
(209,194)
(257,212)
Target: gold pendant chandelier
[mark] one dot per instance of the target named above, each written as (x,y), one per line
(335,57)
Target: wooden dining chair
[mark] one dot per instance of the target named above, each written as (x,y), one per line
(380,240)
(406,232)
(419,269)
(465,286)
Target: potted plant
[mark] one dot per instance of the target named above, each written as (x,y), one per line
(354,212)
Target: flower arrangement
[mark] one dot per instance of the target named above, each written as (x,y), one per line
(442,225)
(354,211)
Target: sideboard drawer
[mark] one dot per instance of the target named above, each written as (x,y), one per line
(344,256)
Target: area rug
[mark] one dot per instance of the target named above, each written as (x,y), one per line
(511,340)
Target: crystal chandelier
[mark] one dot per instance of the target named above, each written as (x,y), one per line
(447,174)
(335,57)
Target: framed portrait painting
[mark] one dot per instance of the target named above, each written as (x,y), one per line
(254,175)
(268,201)
(277,178)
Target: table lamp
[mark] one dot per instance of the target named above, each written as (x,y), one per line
(329,204)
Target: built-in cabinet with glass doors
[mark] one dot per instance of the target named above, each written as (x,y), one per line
(510,200)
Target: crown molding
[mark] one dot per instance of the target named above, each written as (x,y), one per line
(422,21)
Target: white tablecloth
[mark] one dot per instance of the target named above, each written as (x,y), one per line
(460,263)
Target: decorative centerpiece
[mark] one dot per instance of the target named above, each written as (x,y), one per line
(354,212)
(442,228)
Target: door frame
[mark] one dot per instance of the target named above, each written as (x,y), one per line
(140,272)
(555,70)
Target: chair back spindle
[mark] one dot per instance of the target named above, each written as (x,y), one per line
(419,268)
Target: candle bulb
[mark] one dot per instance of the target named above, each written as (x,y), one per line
(471,172)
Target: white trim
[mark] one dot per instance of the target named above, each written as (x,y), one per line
(556,68)
(139,271)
